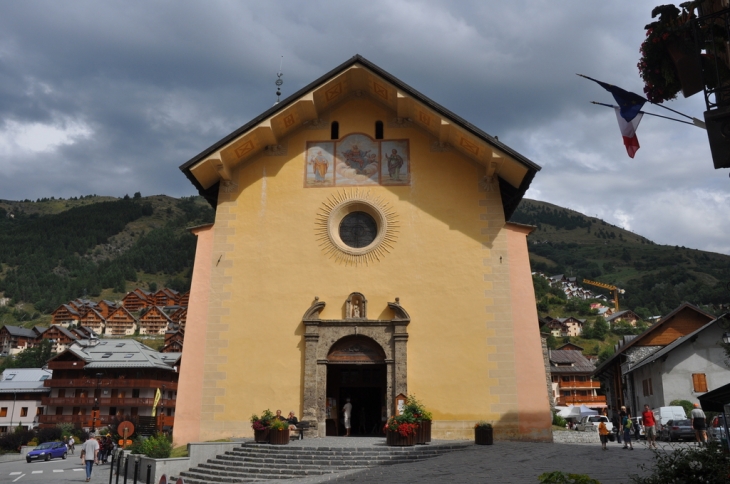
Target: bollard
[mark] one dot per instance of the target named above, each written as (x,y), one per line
(119,465)
(149,473)
(136,470)
(111,469)
(126,468)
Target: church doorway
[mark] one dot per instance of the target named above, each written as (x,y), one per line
(356,370)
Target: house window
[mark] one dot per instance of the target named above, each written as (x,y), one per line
(378,130)
(135,393)
(59,410)
(699,381)
(39,411)
(335,130)
(24,411)
(647,387)
(4,412)
(112,410)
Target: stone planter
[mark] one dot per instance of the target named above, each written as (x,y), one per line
(483,436)
(261,436)
(423,434)
(279,437)
(396,439)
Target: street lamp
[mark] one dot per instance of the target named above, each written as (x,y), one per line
(95,410)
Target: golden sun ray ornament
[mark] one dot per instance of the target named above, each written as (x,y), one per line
(348,201)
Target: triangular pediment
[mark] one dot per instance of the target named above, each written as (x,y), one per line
(357,78)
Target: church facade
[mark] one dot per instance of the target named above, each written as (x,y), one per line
(361,249)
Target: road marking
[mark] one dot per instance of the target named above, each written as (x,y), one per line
(79,470)
(15,473)
(57,470)
(22,475)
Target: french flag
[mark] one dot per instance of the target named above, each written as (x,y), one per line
(628,131)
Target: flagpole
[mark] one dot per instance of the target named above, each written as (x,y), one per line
(650,114)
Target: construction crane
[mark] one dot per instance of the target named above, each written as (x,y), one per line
(616,290)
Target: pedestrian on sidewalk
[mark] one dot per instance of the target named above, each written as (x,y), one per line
(616,421)
(627,425)
(603,434)
(699,423)
(649,427)
(89,454)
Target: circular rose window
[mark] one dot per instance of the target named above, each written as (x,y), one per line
(358,229)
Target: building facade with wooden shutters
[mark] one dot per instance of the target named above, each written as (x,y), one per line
(166,297)
(120,323)
(362,235)
(65,314)
(154,321)
(93,319)
(60,337)
(624,387)
(14,339)
(119,378)
(136,300)
(21,393)
(685,369)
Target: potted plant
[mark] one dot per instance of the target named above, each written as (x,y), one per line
(421,416)
(260,426)
(483,434)
(400,430)
(279,432)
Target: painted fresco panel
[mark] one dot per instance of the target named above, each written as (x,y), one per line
(395,163)
(320,164)
(357,160)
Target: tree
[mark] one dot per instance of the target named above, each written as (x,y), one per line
(600,328)
(605,354)
(552,342)
(686,404)
(153,286)
(35,357)
(137,195)
(588,332)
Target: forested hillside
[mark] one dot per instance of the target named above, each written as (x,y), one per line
(52,251)
(656,278)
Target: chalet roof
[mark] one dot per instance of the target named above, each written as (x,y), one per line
(625,312)
(560,348)
(569,361)
(28,380)
(631,340)
(556,278)
(514,171)
(70,309)
(678,342)
(120,353)
(40,329)
(65,331)
(20,332)
(109,303)
(564,320)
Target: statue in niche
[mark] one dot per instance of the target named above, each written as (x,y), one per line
(356,311)
(355,307)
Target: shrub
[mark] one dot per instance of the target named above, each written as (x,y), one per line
(686,404)
(66,429)
(558,420)
(13,441)
(557,477)
(49,435)
(157,446)
(708,465)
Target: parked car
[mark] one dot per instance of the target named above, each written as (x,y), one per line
(717,428)
(676,430)
(47,451)
(662,415)
(590,423)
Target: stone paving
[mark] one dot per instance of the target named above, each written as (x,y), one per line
(503,462)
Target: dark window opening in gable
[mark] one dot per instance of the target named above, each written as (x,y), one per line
(335,130)
(378,130)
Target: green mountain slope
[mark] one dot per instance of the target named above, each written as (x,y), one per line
(657,278)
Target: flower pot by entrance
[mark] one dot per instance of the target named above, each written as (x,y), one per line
(423,433)
(261,436)
(483,436)
(395,438)
(279,437)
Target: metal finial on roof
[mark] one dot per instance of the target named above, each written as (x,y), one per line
(279,81)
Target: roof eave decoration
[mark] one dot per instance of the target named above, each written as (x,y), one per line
(214,166)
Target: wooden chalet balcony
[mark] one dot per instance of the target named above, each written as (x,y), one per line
(581,399)
(579,384)
(105,383)
(104,402)
(85,420)
(66,365)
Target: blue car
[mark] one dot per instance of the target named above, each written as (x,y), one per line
(47,451)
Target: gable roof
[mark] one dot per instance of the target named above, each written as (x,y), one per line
(679,341)
(514,171)
(119,353)
(620,314)
(569,361)
(29,380)
(20,332)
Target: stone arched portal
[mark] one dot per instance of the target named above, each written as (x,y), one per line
(327,339)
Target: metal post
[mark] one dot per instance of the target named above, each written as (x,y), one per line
(126,469)
(119,465)
(111,469)
(136,470)
(149,473)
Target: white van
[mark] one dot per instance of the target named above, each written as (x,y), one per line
(662,415)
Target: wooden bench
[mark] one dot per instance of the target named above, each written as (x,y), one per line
(302,427)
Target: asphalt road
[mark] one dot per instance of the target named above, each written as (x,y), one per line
(52,472)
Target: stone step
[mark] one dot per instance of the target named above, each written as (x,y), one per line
(334,460)
(244,466)
(192,477)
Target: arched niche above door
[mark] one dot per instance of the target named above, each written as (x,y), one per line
(356,350)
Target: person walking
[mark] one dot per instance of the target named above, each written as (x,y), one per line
(89,454)
(626,425)
(71,444)
(616,421)
(649,427)
(347,414)
(699,423)
(603,434)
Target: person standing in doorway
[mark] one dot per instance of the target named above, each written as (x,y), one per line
(699,423)
(347,414)
(649,427)
(90,454)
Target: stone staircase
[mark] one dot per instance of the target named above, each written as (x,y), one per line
(256,462)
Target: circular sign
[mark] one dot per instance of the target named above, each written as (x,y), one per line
(127,427)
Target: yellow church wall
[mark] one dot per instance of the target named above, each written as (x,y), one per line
(450,267)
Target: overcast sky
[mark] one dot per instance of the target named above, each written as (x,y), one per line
(111,97)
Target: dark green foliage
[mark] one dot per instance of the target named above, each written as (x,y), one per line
(50,434)
(552,342)
(605,354)
(558,420)
(35,357)
(153,286)
(560,219)
(14,440)
(708,464)
(685,404)
(157,446)
(600,328)
(558,477)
